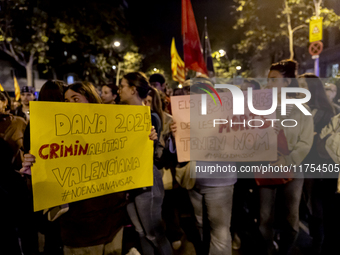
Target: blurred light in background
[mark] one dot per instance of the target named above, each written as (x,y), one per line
(70,79)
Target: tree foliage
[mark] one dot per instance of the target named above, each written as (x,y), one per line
(89,31)
(79,38)
(23,33)
(225,68)
(288,22)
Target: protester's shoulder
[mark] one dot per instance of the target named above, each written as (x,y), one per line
(305,105)
(156,121)
(297,111)
(323,115)
(167,117)
(18,120)
(337,108)
(19,112)
(155,116)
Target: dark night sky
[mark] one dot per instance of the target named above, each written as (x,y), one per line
(154,23)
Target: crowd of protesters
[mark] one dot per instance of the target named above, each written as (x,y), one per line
(230,213)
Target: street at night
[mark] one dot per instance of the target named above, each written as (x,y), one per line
(182,127)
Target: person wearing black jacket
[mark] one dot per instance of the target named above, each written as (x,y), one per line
(314,192)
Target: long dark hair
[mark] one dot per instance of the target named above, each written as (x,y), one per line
(319,99)
(288,68)
(87,90)
(114,91)
(156,103)
(253,82)
(140,81)
(52,91)
(4,96)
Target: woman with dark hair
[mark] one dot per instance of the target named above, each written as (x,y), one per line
(314,186)
(319,99)
(81,92)
(167,162)
(250,83)
(145,204)
(92,226)
(153,100)
(9,102)
(296,143)
(52,91)
(79,232)
(109,94)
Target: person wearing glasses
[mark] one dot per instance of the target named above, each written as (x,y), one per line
(145,204)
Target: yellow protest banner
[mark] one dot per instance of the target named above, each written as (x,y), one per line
(88,150)
(315,29)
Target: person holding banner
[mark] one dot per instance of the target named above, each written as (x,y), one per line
(145,204)
(94,225)
(153,100)
(83,228)
(213,193)
(298,141)
(167,164)
(52,91)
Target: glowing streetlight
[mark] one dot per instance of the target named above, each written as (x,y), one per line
(116,44)
(238,68)
(114,67)
(222,52)
(155,69)
(180,86)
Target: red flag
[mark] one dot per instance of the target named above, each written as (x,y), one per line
(193,57)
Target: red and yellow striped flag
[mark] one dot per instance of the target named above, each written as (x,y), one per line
(177,65)
(1,88)
(16,88)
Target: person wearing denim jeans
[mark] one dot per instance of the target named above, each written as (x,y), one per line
(216,195)
(299,140)
(291,195)
(145,214)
